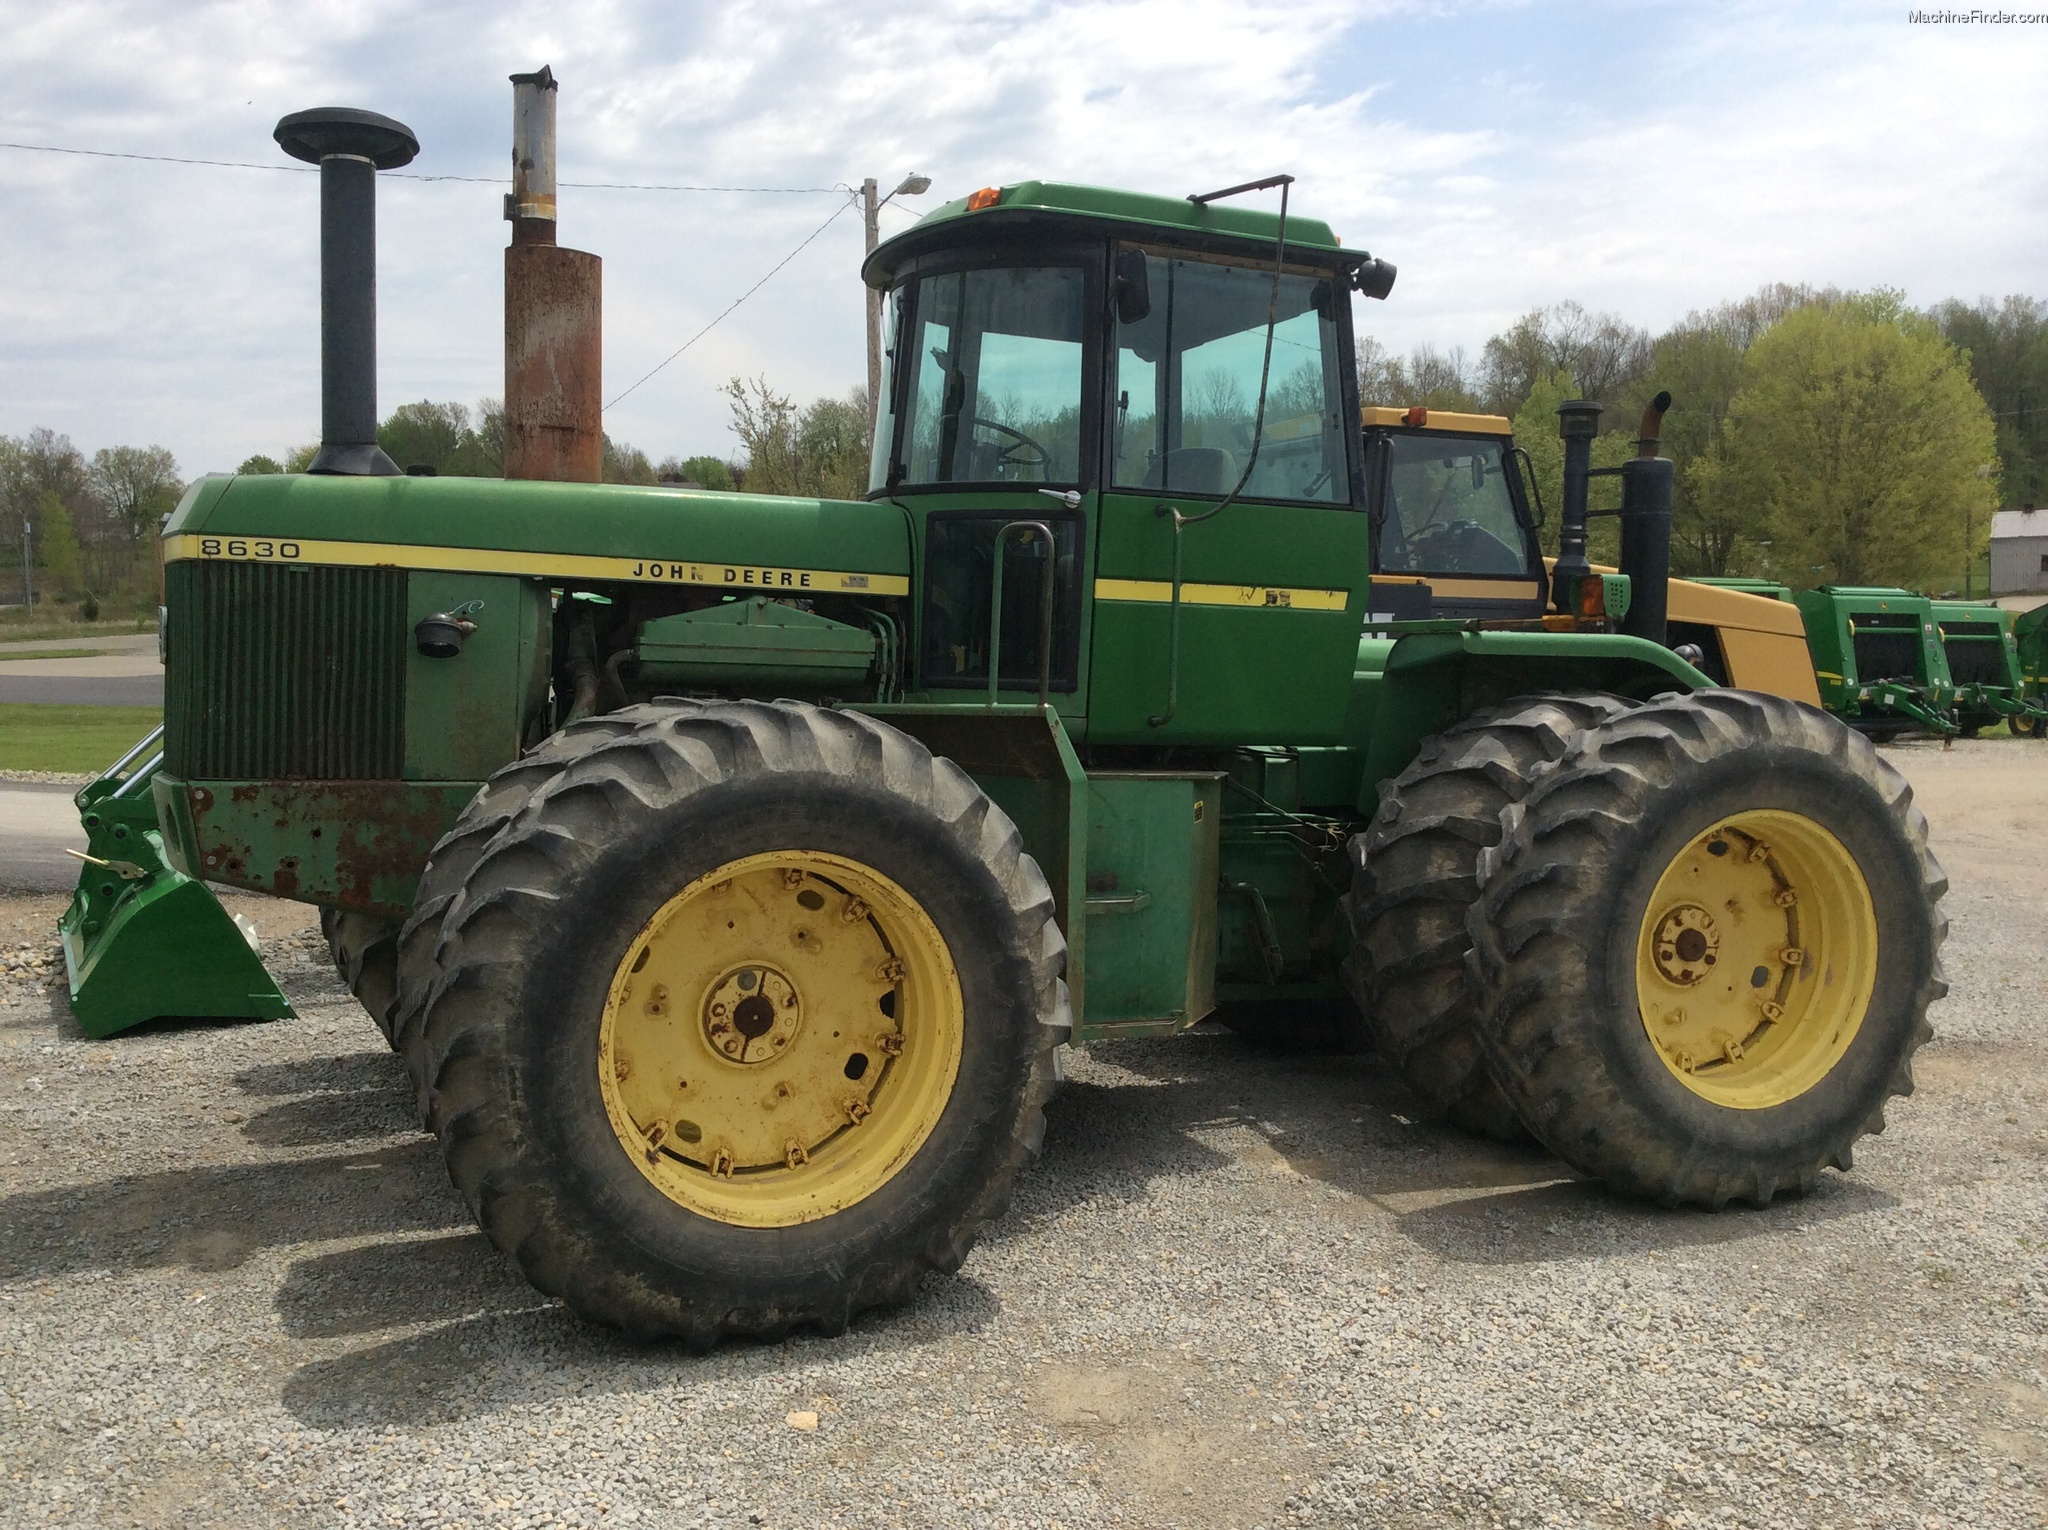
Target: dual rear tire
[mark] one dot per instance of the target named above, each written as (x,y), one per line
(1705,946)
(1689,946)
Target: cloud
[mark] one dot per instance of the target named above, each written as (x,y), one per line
(1648,160)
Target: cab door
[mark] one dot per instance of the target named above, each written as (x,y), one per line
(1273,546)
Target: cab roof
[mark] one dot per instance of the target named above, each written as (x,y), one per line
(1043,204)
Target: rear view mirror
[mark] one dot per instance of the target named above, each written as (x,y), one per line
(1133,287)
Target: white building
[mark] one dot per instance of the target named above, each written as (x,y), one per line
(2019,552)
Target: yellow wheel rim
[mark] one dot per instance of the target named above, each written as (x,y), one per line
(780,1038)
(1756,959)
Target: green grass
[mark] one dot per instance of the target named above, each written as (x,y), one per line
(16,630)
(55,653)
(34,737)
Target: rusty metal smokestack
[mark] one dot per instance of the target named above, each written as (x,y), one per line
(554,424)
(350,147)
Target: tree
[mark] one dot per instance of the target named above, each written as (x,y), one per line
(2007,347)
(625,463)
(1859,441)
(832,443)
(820,451)
(1602,353)
(1432,378)
(442,436)
(140,485)
(1702,369)
(299,458)
(260,464)
(39,470)
(425,434)
(63,566)
(706,472)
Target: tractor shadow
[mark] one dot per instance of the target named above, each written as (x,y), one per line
(389,1178)
(332,1100)
(496,1344)
(216,1217)
(1351,1123)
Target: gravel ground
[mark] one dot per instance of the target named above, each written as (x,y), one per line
(1244,1289)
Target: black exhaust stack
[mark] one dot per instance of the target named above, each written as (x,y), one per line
(350,147)
(1646,491)
(1578,421)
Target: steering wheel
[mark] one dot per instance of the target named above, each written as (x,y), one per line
(1008,457)
(1465,547)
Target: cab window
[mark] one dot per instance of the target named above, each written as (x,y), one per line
(1449,508)
(1187,385)
(994,372)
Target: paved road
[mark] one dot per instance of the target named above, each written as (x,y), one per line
(36,823)
(124,673)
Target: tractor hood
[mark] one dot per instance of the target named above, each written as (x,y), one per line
(563,531)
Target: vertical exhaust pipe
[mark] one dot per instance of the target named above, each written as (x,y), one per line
(350,147)
(1647,482)
(554,319)
(1578,421)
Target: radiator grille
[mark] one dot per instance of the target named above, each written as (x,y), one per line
(275,673)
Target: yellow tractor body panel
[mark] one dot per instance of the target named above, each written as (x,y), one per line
(1763,641)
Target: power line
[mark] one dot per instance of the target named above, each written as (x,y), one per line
(409,175)
(792,255)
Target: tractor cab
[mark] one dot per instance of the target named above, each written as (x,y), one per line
(1144,410)
(1457,536)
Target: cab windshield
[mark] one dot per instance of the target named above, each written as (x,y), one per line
(1449,509)
(994,363)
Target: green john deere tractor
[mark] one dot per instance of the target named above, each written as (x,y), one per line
(731,873)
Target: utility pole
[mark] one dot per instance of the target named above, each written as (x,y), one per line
(28,589)
(871,210)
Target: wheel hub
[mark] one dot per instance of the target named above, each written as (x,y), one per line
(752,1014)
(1686,944)
(1756,958)
(780,1038)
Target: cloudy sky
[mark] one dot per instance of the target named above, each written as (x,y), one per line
(1647,159)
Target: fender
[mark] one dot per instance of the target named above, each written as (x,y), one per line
(1431,679)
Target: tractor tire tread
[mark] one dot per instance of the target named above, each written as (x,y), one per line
(516,855)
(365,952)
(1536,939)
(1414,875)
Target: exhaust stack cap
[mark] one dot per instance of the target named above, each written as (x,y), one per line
(350,146)
(329,130)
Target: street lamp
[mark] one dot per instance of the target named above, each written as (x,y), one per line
(913,185)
